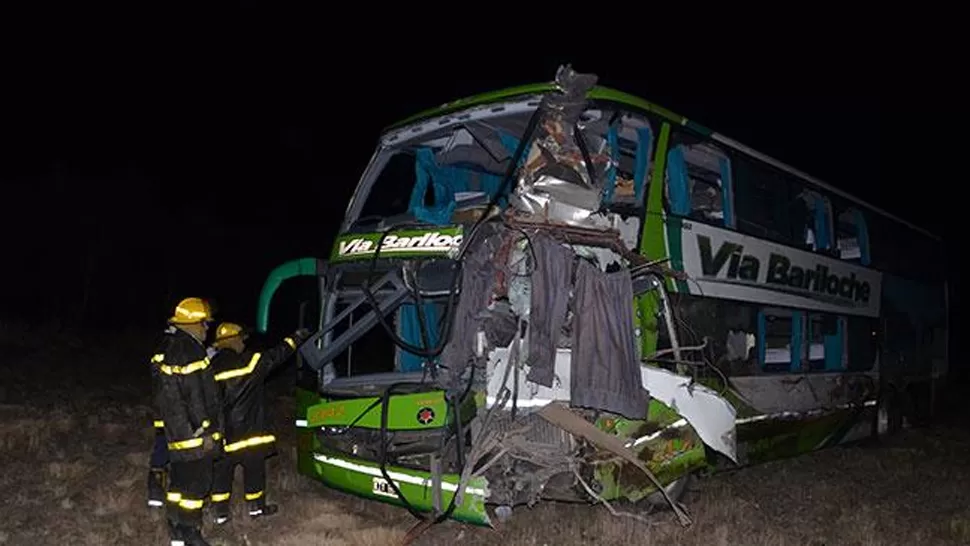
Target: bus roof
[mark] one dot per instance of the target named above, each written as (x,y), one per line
(637,103)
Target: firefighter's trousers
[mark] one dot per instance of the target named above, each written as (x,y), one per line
(159,457)
(157,467)
(253,462)
(189,484)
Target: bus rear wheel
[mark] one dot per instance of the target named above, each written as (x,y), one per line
(888,419)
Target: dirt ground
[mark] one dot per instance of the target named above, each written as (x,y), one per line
(74,447)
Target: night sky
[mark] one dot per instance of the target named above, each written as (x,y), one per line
(153,174)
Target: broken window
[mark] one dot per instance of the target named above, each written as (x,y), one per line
(391,192)
(775,339)
(802,341)
(699,183)
(446,178)
(851,233)
(770,204)
(825,342)
(815,343)
(818,223)
(630,140)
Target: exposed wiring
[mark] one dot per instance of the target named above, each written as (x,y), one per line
(447,322)
(443,339)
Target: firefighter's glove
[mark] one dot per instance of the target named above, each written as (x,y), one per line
(210,446)
(300,336)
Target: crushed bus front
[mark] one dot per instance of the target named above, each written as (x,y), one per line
(492,330)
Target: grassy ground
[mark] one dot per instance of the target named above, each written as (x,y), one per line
(74,448)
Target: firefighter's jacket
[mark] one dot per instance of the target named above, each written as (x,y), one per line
(158,423)
(187,400)
(241,376)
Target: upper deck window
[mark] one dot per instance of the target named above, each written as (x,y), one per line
(851,233)
(630,139)
(771,204)
(452,174)
(446,178)
(699,183)
(818,223)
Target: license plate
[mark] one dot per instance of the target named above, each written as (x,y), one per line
(383,488)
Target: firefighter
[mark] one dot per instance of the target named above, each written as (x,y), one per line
(188,402)
(241,372)
(158,461)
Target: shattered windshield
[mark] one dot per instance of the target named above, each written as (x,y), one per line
(450,178)
(447,178)
(579,159)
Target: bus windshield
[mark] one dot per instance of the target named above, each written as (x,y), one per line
(445,178)
(451,176)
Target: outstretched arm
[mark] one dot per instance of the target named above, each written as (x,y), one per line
(258,365)
(274,357)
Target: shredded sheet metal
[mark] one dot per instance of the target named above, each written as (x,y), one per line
(563,175)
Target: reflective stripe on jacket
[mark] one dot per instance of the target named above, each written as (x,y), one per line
(241,377)
(187,399)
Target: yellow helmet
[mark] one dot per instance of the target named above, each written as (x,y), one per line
(191,311)
(228,330)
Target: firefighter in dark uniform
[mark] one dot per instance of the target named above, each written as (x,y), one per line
(158,461)
(241,372)
(188,402)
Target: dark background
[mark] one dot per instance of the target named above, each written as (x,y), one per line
(139,171)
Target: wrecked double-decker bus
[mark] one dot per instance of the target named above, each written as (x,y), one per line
(561,291)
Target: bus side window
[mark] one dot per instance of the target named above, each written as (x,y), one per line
(853,236)
(630,140)
(778,340)
(818,222)
(767,203)
(699,183)
(824,346)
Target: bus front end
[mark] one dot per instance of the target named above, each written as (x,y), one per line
(478,339)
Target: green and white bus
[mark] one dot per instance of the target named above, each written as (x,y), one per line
(766,313)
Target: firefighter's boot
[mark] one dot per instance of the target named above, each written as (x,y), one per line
(156,487)
(220,512)
(259,508)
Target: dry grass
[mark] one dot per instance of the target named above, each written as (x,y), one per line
(74,462)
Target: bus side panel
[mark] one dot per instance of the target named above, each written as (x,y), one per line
(914,340)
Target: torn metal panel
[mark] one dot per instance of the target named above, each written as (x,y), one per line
(598,237)
(712,416)
(670,451)
(561,416)
(804,392)
(784,434)
(564,172)
(530,395)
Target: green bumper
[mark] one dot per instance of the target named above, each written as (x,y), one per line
(364,479)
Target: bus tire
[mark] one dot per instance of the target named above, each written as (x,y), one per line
(888,419)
